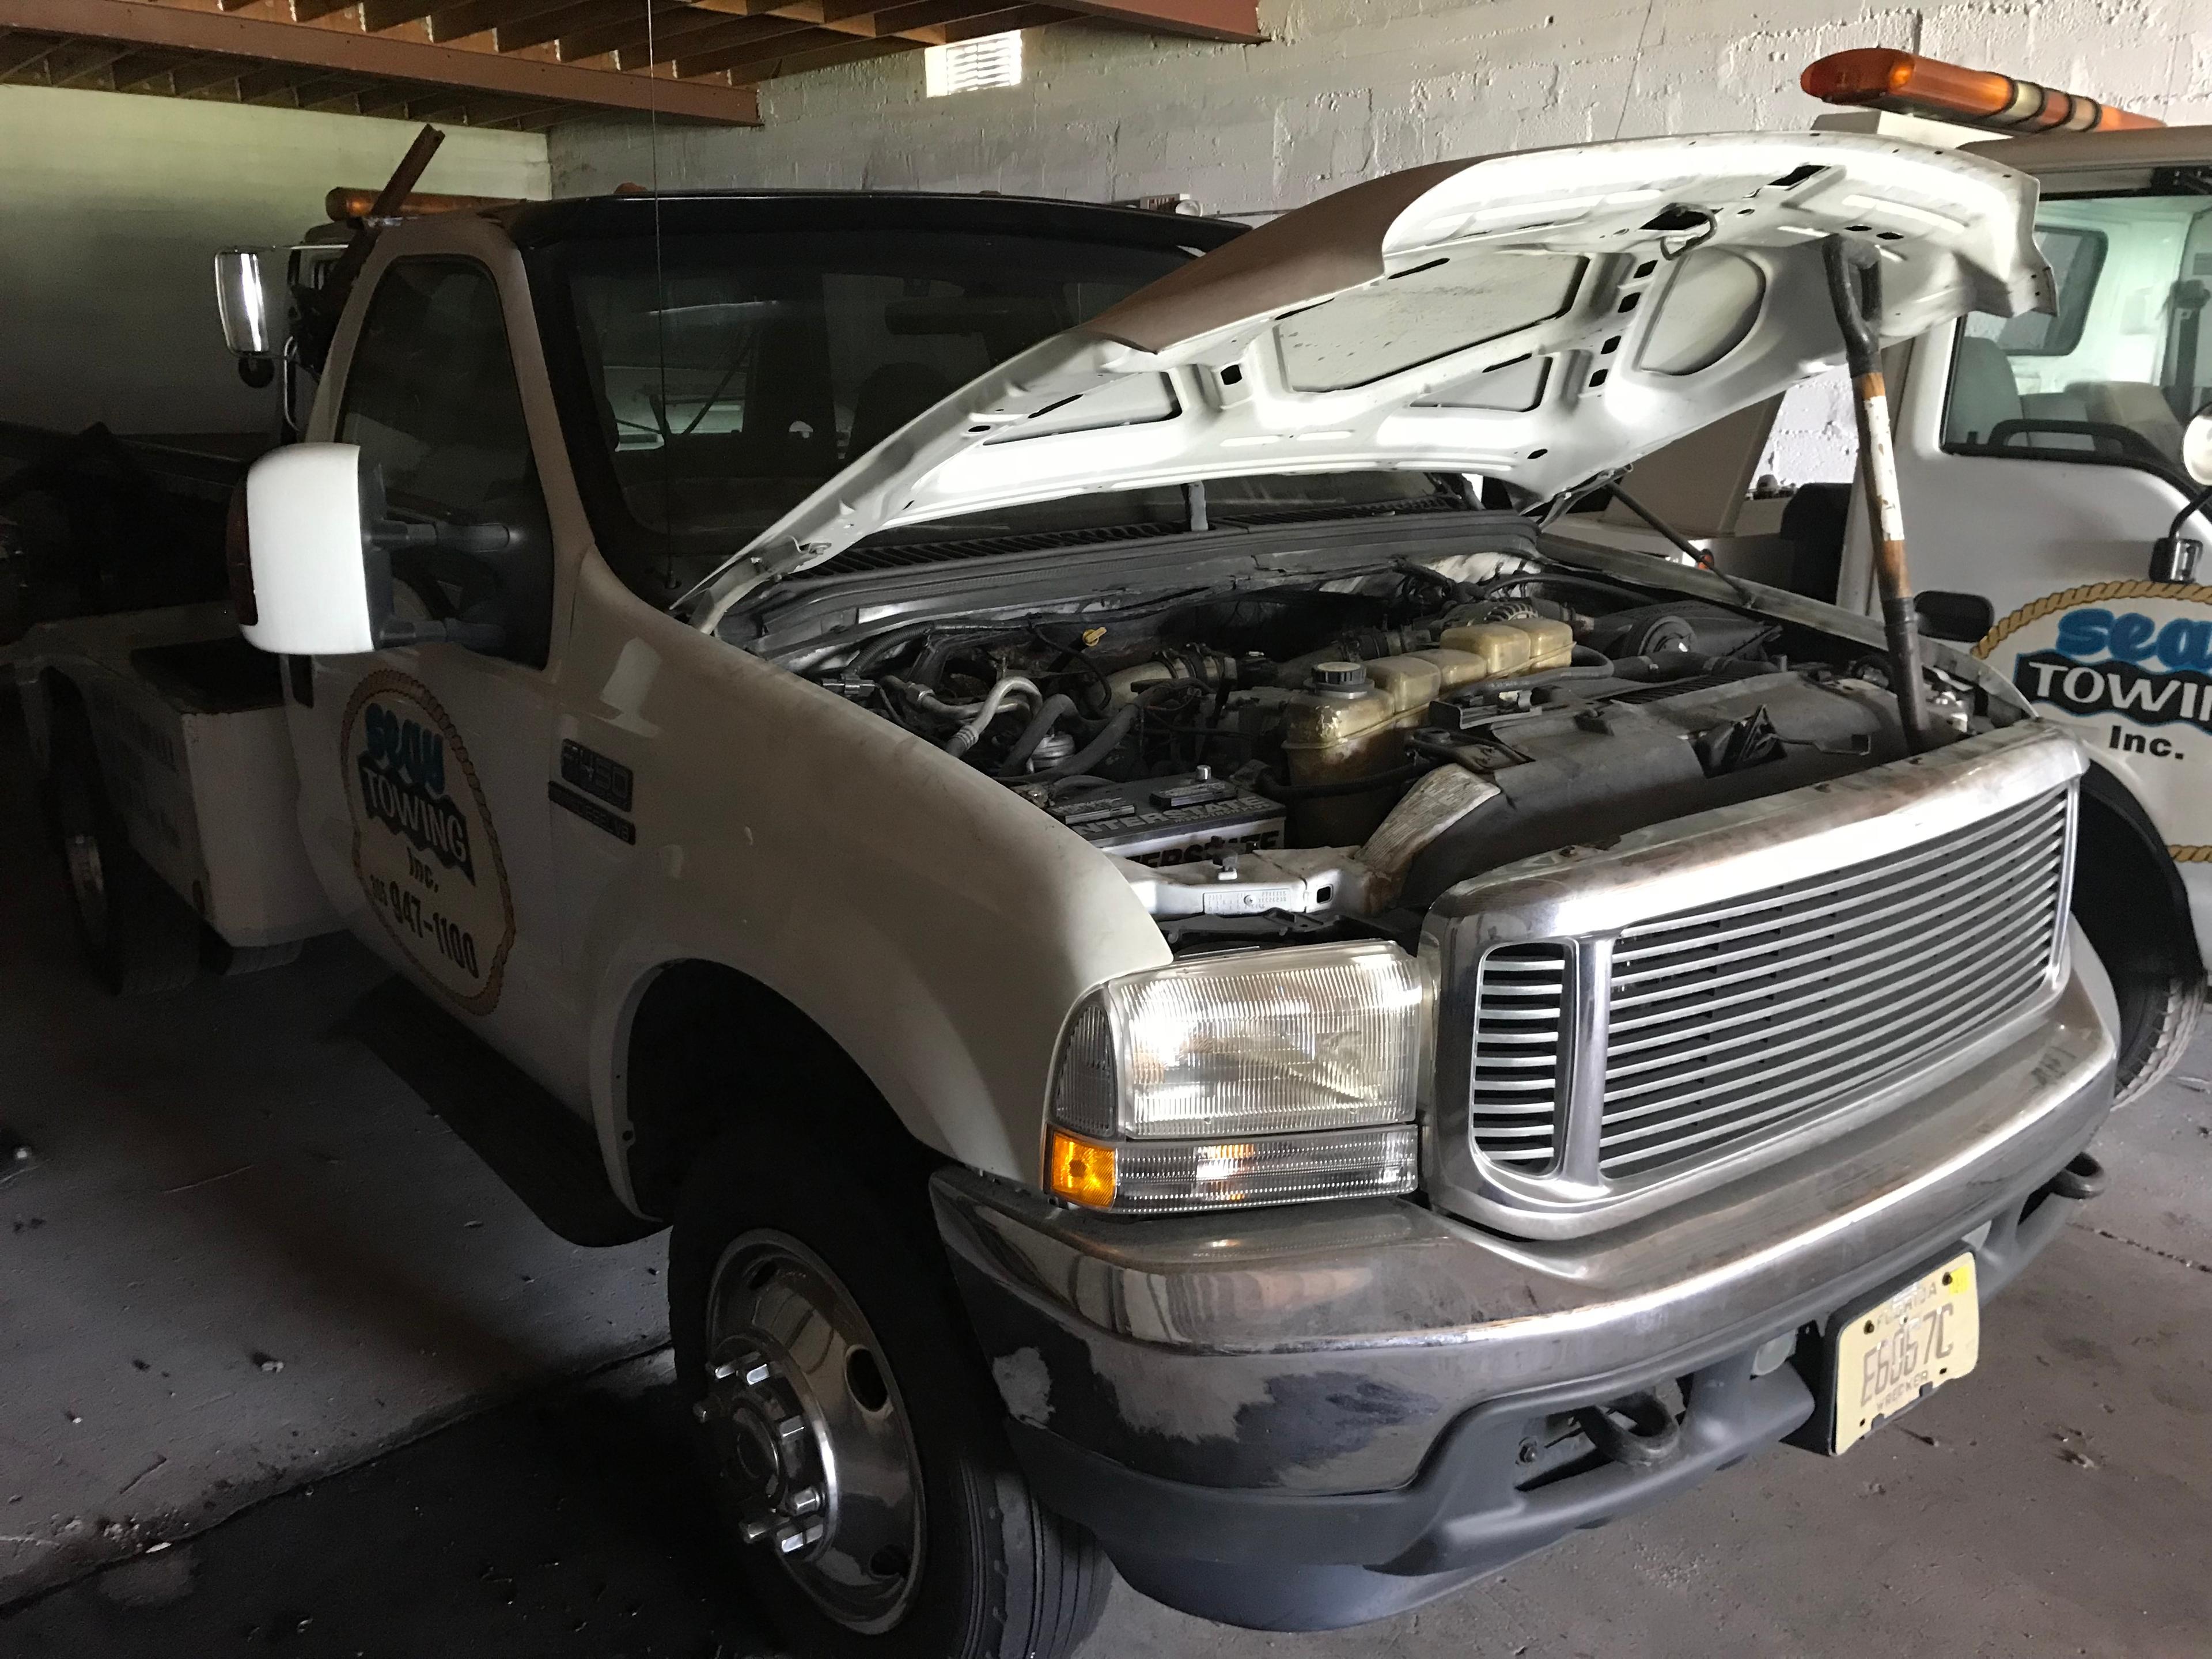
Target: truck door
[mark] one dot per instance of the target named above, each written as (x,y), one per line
(428,803)
(2039,458)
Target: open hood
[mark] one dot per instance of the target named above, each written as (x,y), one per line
(1540,318)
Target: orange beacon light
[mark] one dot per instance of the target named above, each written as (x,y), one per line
(1877,77)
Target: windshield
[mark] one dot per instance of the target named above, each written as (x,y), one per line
(2114,375)
(725,377)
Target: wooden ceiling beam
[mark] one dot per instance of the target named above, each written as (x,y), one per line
(147,23)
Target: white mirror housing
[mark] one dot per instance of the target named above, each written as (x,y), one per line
(241,301)
(2196,446)
(310,593)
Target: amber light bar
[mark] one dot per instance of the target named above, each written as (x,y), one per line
(1877,77)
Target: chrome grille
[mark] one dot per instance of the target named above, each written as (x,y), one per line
(1728,1023)
(1628,1025)
(1520,1037)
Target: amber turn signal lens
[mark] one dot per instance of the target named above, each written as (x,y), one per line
(1081,1172)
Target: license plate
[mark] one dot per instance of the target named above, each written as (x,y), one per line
(1905,1347)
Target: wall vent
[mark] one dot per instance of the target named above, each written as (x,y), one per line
(991,60)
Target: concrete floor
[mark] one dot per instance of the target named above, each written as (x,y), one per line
(224,1182)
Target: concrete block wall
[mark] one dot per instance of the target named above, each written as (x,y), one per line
(113,208)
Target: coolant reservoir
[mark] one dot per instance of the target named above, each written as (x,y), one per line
(1503,647)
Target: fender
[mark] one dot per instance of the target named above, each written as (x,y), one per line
(936,927)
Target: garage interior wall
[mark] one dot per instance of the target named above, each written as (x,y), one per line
(113,206)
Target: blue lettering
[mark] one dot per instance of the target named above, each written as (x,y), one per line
(2184,644)
(2131,636)
(2082,632)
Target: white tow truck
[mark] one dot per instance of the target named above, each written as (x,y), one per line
(1195,996)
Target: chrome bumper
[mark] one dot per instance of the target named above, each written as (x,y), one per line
(1326,1350)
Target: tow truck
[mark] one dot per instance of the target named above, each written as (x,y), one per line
(1195,994)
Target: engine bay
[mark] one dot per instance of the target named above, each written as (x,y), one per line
(1315,757)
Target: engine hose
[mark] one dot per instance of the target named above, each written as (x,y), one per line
(1108,740)
(970,734)
(1057,708)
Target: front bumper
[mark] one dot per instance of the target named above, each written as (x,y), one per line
(1348,1389)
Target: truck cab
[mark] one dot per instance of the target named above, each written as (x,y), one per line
(1198,991)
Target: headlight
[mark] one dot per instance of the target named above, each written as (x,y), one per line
(1264,1077)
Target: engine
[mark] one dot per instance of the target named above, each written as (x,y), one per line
(1301,759)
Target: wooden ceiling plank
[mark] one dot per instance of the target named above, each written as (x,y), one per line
(306,11)
(377,15)
(776,35)
(727,32)
(136,69)
(1202,20)
(136,22)
(839,50)
(637,32)
(930,14)
(459,22)
(21,54)
(1001,23)
(80,62)
(541,28)
(204,74)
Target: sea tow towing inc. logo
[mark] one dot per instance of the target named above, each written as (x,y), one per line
(2127,666)
(2151,671)
(424,848)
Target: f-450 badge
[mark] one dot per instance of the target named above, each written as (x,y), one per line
(424,849)
(2127,666)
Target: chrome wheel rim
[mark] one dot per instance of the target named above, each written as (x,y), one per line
(810,1434)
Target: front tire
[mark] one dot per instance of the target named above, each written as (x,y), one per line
(852,1433)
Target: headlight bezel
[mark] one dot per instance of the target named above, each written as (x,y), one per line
(1273,1075)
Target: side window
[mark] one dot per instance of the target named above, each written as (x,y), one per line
(2114,373)
(431,398)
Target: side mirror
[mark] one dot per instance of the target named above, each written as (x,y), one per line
(2172,556)
(241,302)
(317,559)
(2196,446)
(307,583)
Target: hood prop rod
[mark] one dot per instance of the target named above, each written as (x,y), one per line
(1854,288)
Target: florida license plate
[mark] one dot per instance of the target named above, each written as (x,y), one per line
(1904,1348)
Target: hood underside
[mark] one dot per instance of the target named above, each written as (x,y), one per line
(1540,318)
